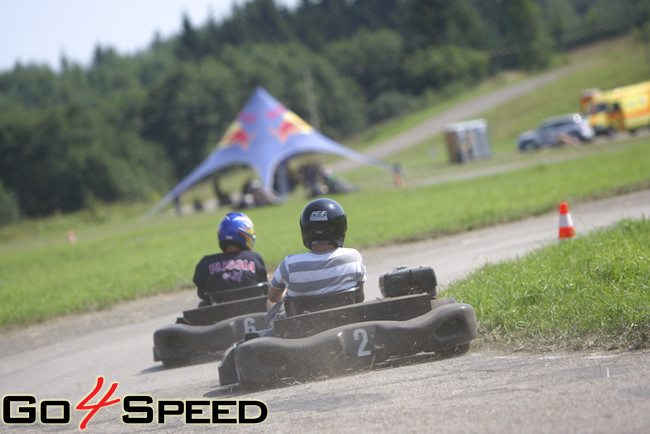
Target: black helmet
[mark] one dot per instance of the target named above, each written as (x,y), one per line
(323,220)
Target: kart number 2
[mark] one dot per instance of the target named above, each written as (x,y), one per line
(359,342)
(362,335)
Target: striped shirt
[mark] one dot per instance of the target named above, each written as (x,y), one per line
(308,274)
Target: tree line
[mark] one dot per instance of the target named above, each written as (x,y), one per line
(126,128)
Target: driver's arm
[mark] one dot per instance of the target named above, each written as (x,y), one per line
(274,296)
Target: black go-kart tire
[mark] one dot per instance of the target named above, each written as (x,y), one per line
(175,363)
(170,362)
(453,352)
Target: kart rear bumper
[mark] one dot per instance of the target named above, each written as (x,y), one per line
(179,343)
(358,345)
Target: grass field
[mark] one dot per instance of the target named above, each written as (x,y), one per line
(588,292)
(119,256)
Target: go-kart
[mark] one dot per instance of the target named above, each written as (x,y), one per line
(209,330)
(330,334)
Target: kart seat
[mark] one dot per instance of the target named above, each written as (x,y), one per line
(301,305)
(225,295)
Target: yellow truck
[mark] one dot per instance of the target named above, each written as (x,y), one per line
(586,96)
(596,111)
(621,108)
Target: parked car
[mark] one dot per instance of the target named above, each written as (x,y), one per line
(555,131)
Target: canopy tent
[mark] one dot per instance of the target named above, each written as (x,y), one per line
(264,134)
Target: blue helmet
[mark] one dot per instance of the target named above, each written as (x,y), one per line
(237,228)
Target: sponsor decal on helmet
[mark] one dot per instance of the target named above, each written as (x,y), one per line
(318,216)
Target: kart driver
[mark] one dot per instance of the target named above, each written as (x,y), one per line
(326,268)
(237,266)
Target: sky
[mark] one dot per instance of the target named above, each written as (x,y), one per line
(41,31)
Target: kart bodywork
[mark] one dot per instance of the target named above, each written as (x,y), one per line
(209,330)
(327,335)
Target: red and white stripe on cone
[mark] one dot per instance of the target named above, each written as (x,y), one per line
(566,223)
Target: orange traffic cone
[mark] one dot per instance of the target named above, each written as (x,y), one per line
(566,224)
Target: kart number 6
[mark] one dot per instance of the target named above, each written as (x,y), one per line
(249,325)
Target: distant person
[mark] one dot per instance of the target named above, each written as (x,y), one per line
(327,267)
(397,175)
(223,199)
(177,205)
(567,139)
(237,266)
(250,194)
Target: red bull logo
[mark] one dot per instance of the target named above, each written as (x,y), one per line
(290,124)
(236,135)
(248,118)
(278,111)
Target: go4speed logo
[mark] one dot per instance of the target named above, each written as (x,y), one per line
(137,409)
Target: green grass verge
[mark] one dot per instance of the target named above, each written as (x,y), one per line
(587,292)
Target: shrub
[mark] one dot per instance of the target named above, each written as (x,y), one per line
(9,212)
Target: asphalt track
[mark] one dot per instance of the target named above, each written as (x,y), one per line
(482,391)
